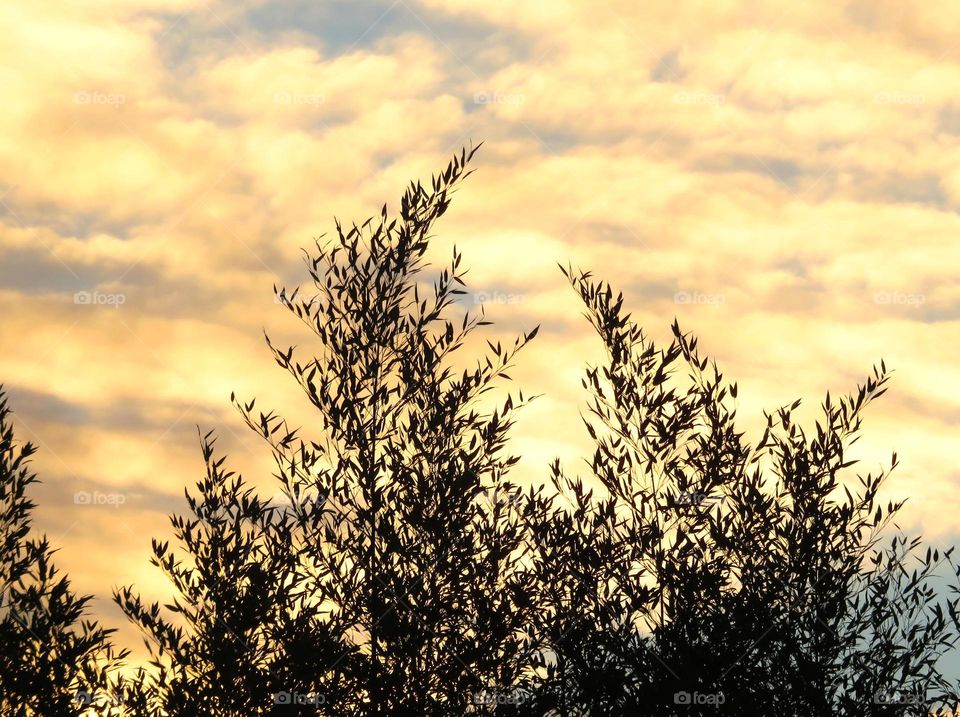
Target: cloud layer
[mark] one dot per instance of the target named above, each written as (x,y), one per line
(782,179)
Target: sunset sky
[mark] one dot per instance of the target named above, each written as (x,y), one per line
(781,177)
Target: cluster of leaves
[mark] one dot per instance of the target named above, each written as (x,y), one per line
(53,662)
(392,563)
(402,572)
(693,569)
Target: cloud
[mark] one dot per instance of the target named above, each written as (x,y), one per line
(783,180)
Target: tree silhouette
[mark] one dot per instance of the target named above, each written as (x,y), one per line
(243,632)
(401,572)
(395,564)
(53,661)
(696,574)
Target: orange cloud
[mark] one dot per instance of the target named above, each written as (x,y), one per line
(782,180)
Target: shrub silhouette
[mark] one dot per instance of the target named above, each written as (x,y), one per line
(390,581)
(401,572)
(54,662)
(696,574)
(242,633)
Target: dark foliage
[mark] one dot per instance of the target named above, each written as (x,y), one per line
(387,582)
(243,629)
(694,573)
(53,662)
(398,571)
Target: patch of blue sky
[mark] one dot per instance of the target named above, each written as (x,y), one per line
(342,26)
